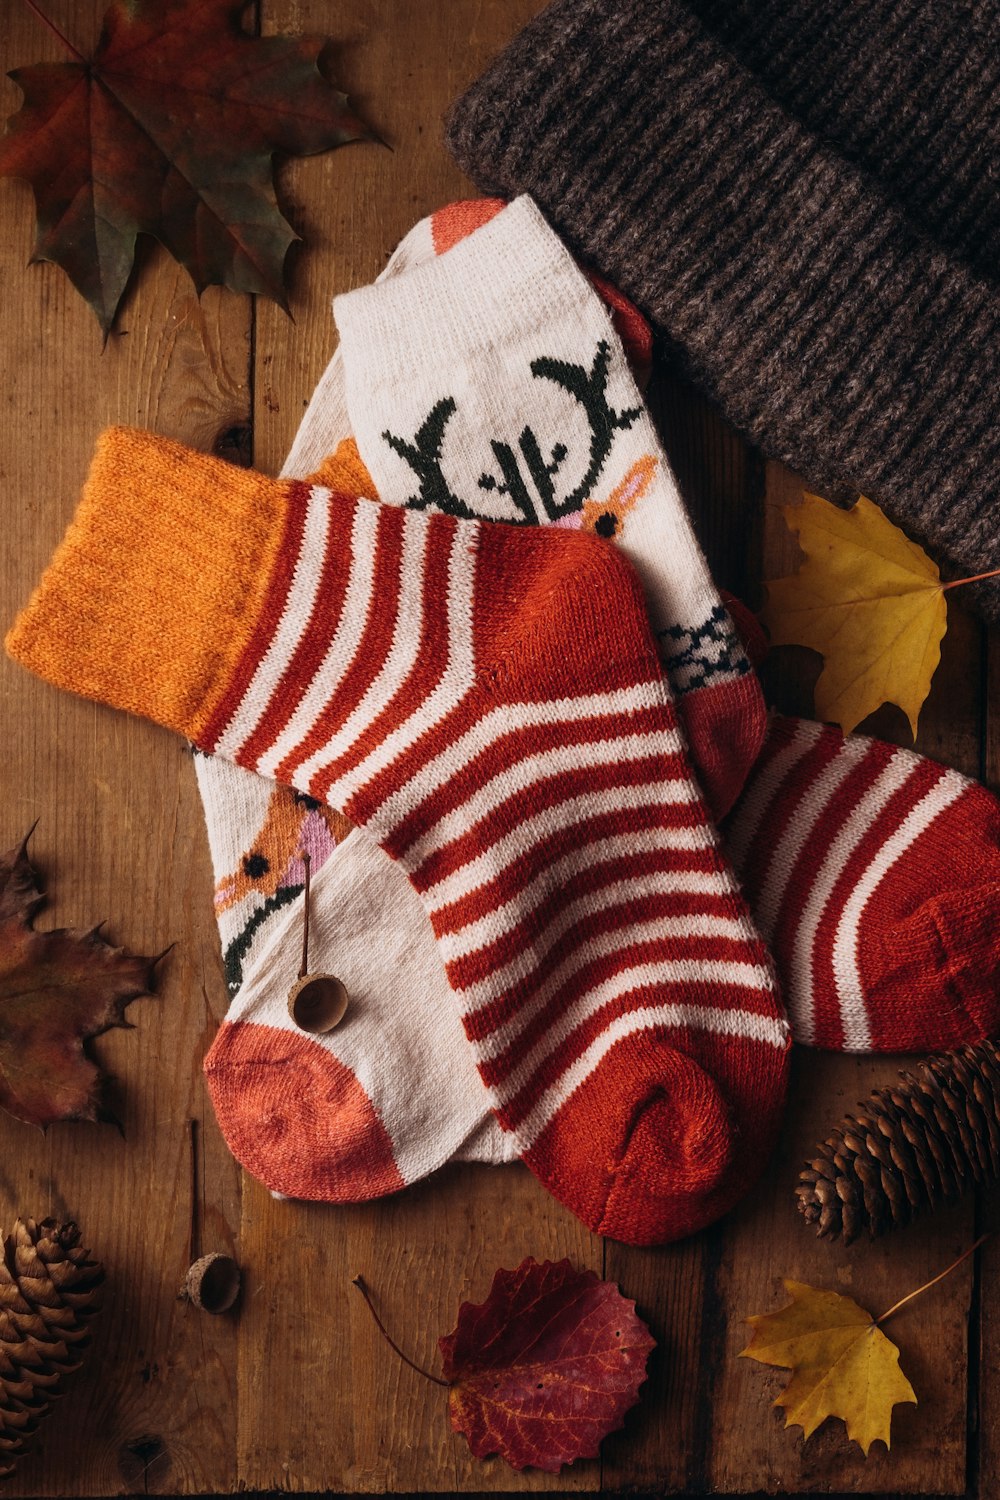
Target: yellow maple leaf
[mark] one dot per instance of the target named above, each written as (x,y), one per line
(844,1366)
(869,600)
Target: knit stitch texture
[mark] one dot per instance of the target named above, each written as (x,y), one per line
(621,1009)
(836,335)
(907,89)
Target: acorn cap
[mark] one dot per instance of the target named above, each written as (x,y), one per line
(317,1003)
(213,1282)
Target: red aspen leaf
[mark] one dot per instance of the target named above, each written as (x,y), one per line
(546,1367)
(57,990)
(170,130)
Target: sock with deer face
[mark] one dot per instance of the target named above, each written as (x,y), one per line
(631,494)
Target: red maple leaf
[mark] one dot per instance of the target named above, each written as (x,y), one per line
(170,130)
(546,1367)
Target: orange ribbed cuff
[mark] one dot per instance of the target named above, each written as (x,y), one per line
(152,596)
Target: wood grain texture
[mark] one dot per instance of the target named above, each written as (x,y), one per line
(765,1241)
(298,1392)
(119,837)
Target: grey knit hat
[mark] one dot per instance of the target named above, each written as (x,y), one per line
(907,89)
(765,245)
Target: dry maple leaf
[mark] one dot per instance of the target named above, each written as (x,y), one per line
(844,1366)
(170,130)
(870,601)
(546,1367)
(57,990)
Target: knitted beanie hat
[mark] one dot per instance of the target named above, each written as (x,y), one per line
(836,335)
(907,89)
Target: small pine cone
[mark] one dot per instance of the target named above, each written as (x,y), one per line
(48,1294)
(918,1143)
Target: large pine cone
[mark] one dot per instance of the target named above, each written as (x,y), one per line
(928,1139)
(48,1294)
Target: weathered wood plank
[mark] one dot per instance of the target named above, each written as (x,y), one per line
(119,837)
(765,1240)
(333,1407)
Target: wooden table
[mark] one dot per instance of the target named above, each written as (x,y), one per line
(299,1392)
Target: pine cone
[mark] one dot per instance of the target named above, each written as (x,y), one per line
(932,1137)
(48,1294)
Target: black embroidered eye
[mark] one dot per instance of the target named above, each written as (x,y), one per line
(606,524)
(255,865)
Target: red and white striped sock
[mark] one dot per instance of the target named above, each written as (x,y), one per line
(919,967)
(488,702)
(875,876)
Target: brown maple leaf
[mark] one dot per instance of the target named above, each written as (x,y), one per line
(170,130)
(57,990)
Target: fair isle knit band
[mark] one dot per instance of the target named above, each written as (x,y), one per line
(826,326)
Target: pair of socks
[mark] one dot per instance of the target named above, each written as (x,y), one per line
(873,873)
(301,1107)
(252,823)
(354,1123)
(489,701)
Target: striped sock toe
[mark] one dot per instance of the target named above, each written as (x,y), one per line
(875,875)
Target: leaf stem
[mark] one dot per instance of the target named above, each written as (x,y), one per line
(956,583)
(933,1281)
(193,1164)
(359,1283)
(55,30)
(304,966)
